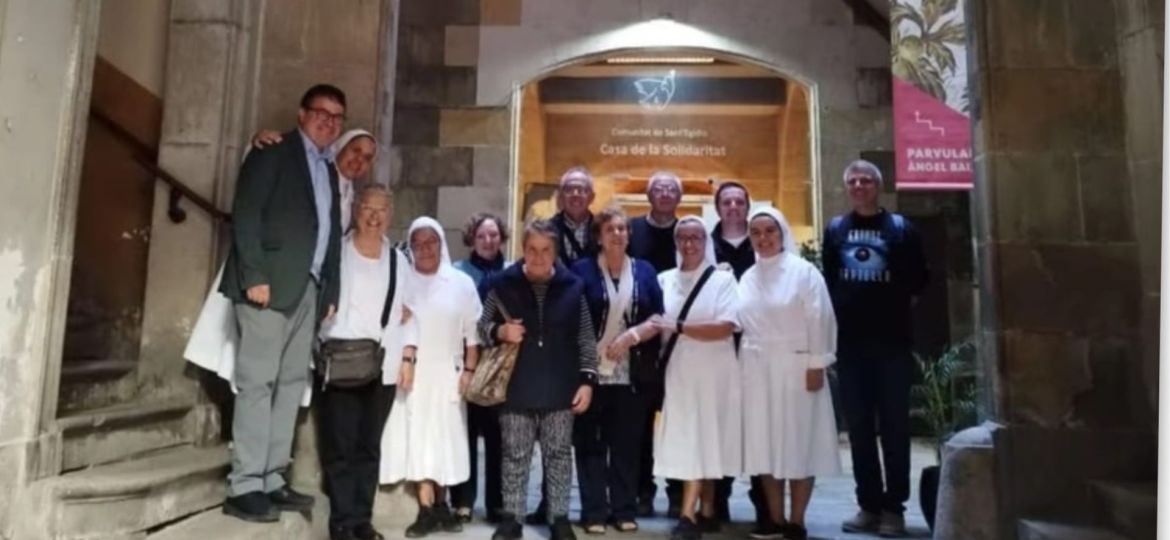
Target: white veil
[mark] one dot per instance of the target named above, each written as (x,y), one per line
(789,243)
(708,250)
(430,223)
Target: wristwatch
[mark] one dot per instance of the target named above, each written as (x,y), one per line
(410,359)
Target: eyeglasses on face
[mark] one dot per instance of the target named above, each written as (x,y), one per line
(327,116)
(860,181)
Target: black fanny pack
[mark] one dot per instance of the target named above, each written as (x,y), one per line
(351,363)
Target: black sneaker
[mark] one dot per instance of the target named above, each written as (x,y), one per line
(426,523)
(766,530)
(508,529)
(447,519)
(561,529)
(686,530)
(286,499)
(366,531)
(793,531)
(709,524)
(253,506)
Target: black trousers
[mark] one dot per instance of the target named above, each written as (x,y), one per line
(608,442)
(350,422)
(647,488)
(482,422)
(875,389)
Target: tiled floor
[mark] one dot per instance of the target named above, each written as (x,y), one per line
(832,502)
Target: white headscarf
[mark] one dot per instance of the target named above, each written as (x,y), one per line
(788,243)
(708,250)
(430,223)
(345,139)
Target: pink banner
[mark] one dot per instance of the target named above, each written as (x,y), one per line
(932,130)
(933,142)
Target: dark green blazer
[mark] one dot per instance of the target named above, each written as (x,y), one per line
(274,228)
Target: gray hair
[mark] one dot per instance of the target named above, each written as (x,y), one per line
(577,170)
(370,189)
(664,176)
(863,166)
(540,227)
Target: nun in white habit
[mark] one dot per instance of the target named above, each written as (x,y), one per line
(425,440)
(789,338)
(698,438)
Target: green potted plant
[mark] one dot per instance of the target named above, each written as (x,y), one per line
(947,404)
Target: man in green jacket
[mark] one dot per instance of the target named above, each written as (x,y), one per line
(282,274)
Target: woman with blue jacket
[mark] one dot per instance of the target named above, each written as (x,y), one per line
(624,297)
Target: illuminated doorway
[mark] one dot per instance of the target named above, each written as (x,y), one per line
(707,118)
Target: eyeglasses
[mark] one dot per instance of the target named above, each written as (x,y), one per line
(689,239)
(326,115)
(860,181)
(576,190)
(424,245)
(664,190)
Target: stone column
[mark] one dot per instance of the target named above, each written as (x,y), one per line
(1060,296)
(46,63)
(207,94)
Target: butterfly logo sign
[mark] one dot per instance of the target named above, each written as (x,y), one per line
(654,94)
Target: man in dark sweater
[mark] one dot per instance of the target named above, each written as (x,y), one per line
(732,203)
(874,268)
(574,223)
(652,240)
(652,235)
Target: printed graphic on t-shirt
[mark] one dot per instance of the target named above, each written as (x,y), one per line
(865,257)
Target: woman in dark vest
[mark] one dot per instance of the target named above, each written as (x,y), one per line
(623,297)
(553,378)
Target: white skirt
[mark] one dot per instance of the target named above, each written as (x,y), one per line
(698,436)
(426,435)
(789,432)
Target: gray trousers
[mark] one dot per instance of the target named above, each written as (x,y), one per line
(272,369)
(519,432)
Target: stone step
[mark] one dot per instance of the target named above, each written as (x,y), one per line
(125,499)
(1034,529)
(1130,508)
(215,524)
(118,432)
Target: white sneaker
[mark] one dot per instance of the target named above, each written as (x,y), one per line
(862,522)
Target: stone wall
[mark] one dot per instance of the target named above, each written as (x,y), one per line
(459,61)
(1060,122)
(44,99)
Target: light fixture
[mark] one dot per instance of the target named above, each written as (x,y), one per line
(660,60)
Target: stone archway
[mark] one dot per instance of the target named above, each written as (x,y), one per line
(561,117)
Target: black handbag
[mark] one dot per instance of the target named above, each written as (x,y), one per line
(352,363)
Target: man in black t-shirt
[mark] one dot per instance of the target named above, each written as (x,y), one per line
(874,268)
(652,240)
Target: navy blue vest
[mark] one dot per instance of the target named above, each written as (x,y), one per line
(547,372)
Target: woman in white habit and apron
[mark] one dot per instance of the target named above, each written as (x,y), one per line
(698,438)
(789,338)
(425,440)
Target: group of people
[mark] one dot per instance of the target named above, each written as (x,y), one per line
(726,333)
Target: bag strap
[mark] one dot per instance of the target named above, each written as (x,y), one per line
(682,315)
(390,290)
